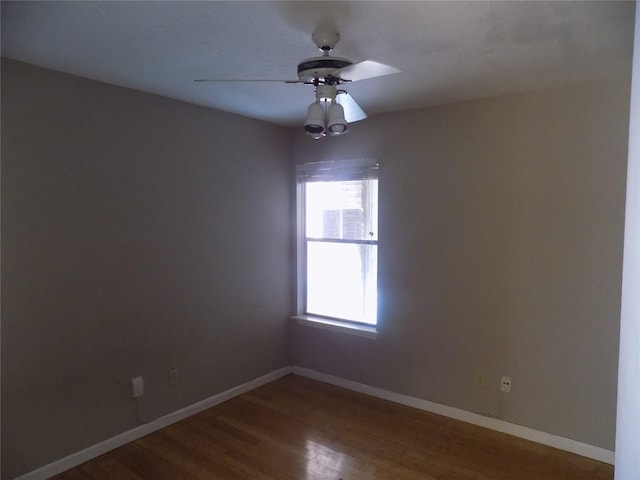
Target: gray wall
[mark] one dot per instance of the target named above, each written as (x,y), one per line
(501,225)
(628,420)
(139,234)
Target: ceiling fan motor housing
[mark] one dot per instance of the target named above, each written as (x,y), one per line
(320,68)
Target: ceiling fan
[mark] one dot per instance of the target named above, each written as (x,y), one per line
(334,108)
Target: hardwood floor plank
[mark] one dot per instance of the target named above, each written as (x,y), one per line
(108,467)
(300,429)
(73,474)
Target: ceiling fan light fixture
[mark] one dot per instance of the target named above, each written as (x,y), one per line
(333,106)
(316,136)
(314,124)
(336,125)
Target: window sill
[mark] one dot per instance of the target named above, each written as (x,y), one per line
(337,326)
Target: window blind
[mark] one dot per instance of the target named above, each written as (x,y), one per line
(355,169)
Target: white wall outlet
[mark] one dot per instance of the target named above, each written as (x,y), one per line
(505,386)
(137,387)
(173,376)
(480,379)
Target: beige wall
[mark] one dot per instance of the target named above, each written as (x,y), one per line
(501,226)
(139,234)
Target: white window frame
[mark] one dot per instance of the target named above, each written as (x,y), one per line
(354,169)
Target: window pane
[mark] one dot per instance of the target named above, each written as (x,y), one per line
(342,210)
(341,280)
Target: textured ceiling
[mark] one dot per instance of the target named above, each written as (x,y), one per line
(447,51)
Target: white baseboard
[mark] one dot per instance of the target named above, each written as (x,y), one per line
(112,443)
(573,446)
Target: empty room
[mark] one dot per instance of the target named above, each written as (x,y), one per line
(320,240)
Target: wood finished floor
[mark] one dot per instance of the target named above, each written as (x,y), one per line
(300,429)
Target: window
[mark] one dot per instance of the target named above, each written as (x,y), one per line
(338,240)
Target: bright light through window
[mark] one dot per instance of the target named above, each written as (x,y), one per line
(341,249)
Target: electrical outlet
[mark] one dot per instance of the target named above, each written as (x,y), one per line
(505,386)
(480,379)
(173,376)
(137,387)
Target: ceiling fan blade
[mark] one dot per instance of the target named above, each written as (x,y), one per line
(352,111)
(363,70)
(200,80)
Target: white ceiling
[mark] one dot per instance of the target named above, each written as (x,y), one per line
(447,51)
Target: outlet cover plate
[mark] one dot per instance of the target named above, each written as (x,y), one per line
(137,387)
(505,386)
